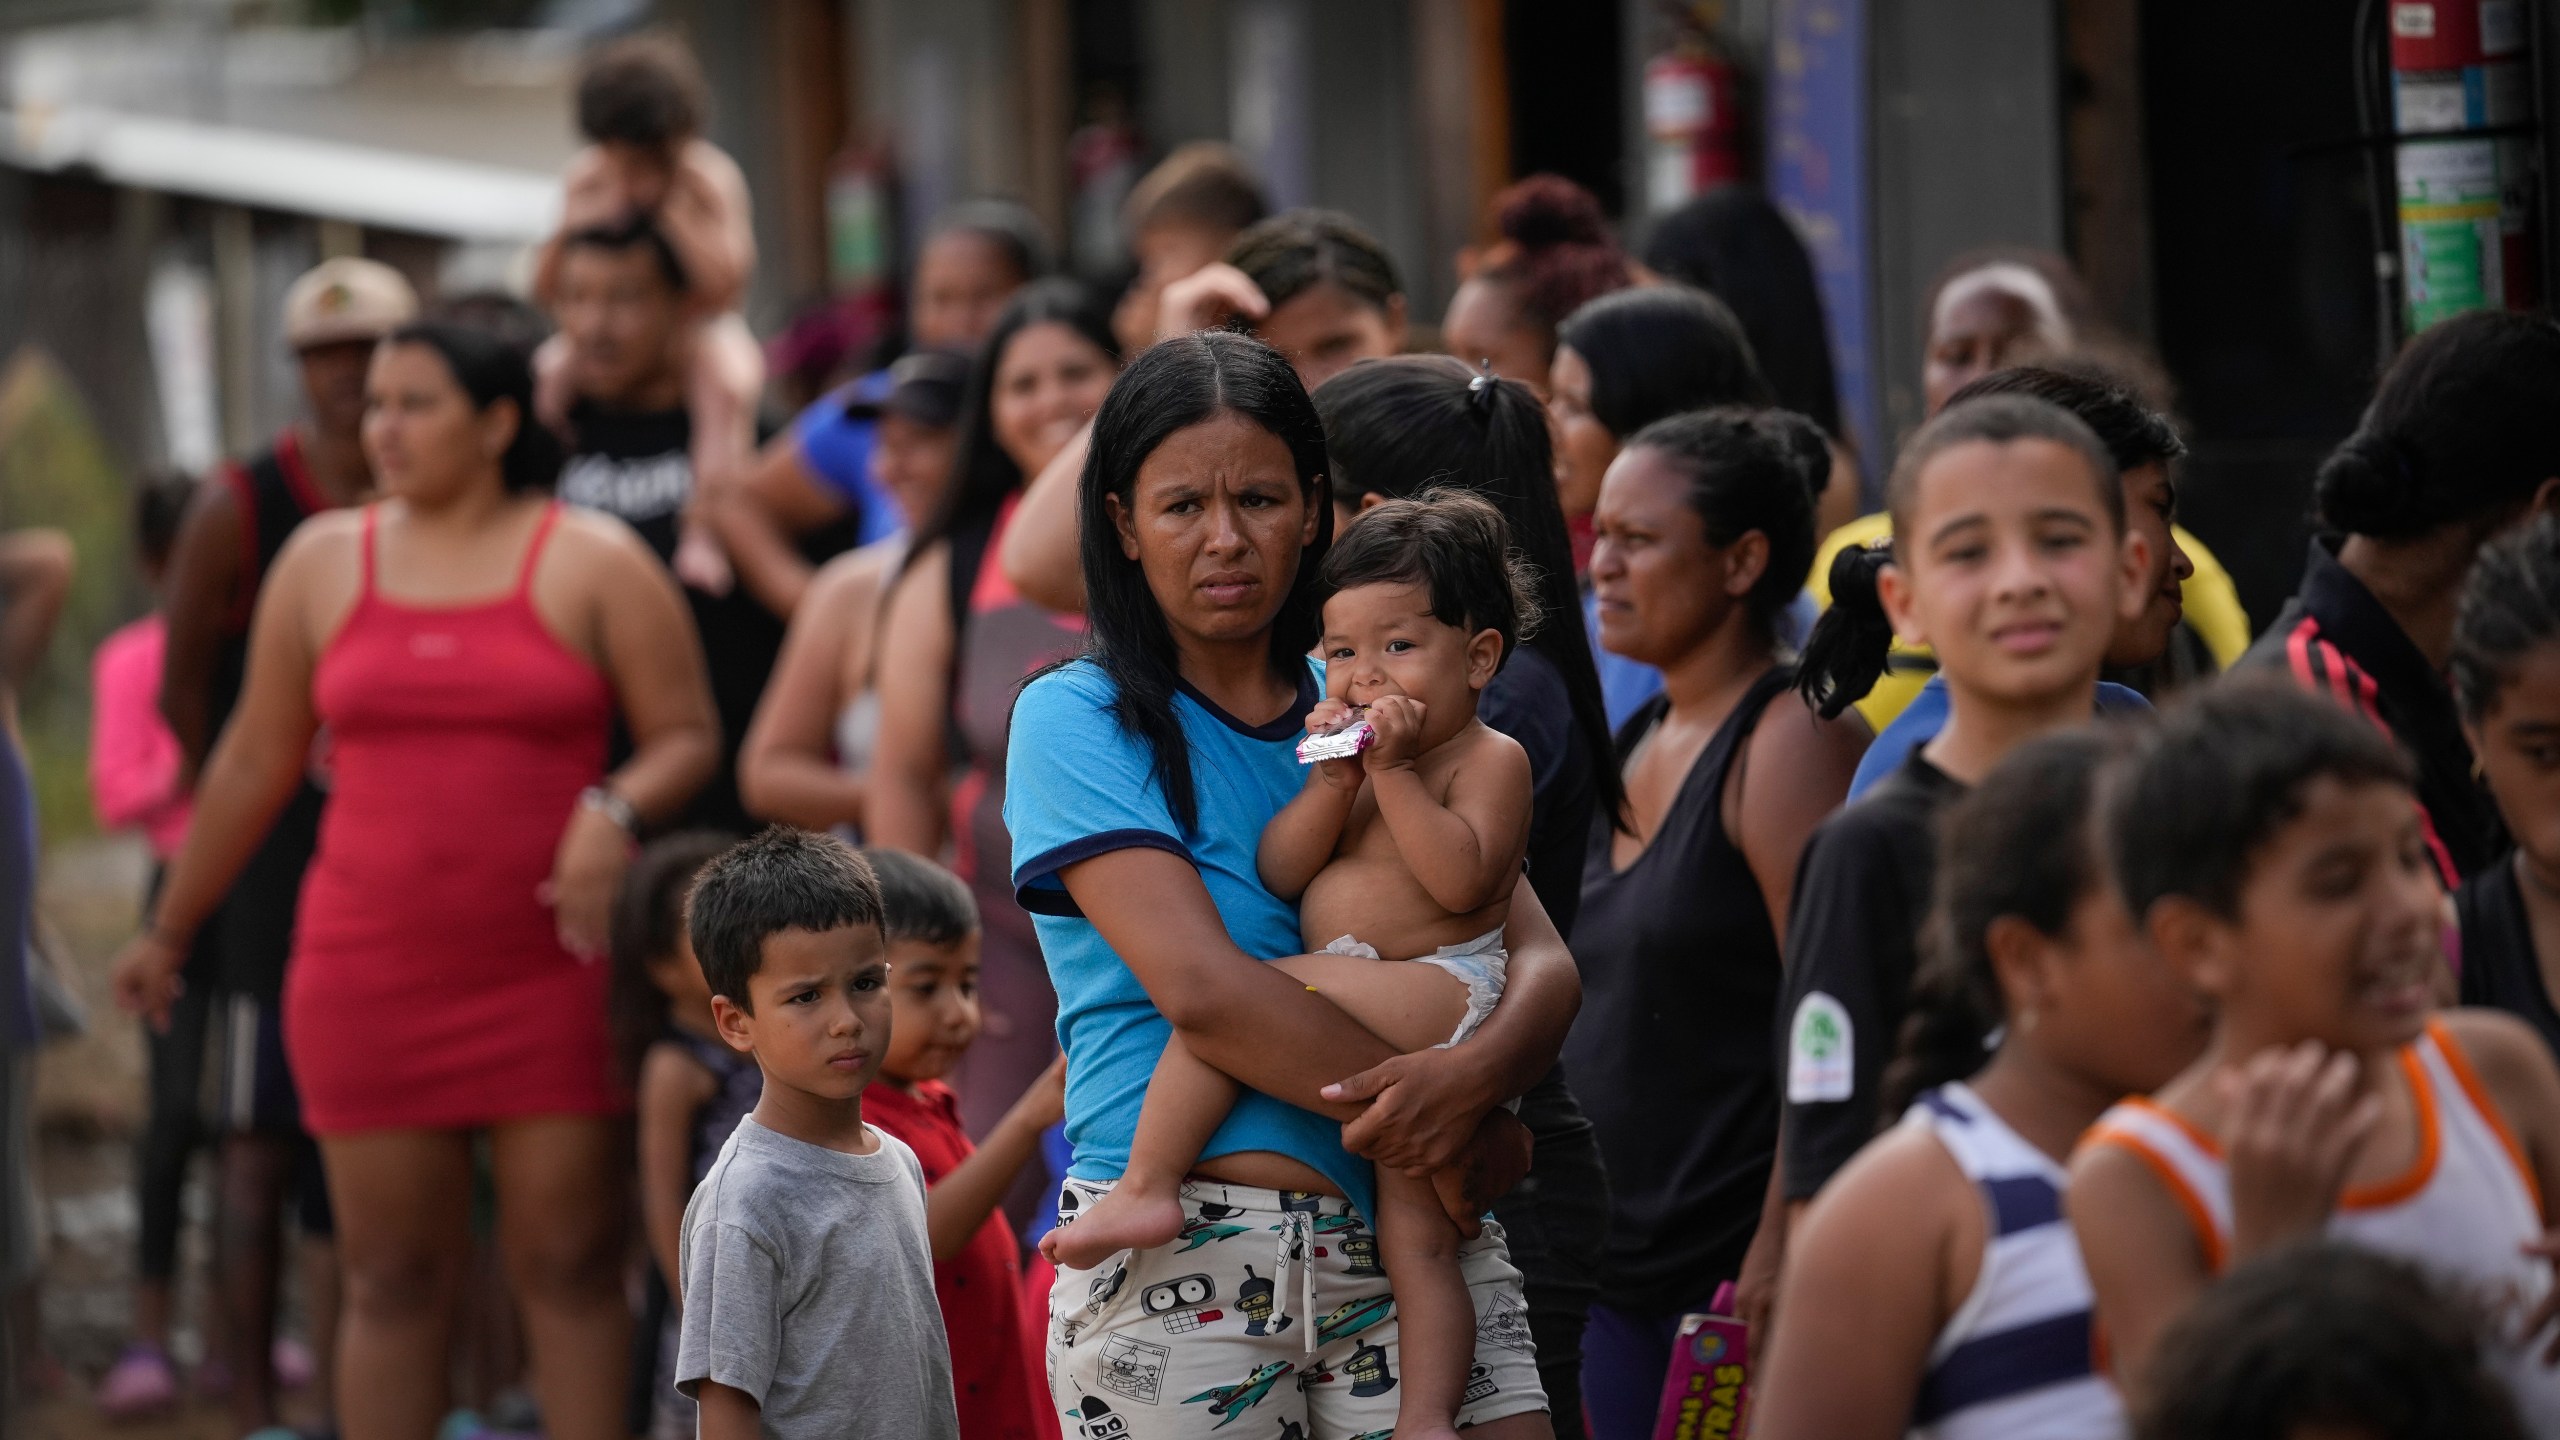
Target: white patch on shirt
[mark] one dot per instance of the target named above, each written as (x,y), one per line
(1821,1052)
(632,490)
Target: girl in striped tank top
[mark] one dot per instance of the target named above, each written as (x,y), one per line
(1934,1288)
(2269,842)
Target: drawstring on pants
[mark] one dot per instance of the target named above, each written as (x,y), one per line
(1297,1247)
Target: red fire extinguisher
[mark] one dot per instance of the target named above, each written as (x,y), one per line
(1692,118)
(2461,69)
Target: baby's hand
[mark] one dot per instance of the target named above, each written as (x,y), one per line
(1397,720)
(1326,717)
(595,196)
(1330,715)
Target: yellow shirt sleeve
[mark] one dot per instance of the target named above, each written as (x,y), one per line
(2212,603)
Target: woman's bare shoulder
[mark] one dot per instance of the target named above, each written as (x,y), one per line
(857,576)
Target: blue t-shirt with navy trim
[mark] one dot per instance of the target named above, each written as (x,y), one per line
(1077,785)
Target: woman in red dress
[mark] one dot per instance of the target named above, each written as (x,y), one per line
(465,644)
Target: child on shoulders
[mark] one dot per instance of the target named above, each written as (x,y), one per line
(641,106)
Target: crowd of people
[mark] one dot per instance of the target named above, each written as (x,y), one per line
(1802,902)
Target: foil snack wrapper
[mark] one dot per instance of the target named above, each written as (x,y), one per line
(1339,744)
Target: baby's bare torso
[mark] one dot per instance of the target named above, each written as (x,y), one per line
(1368,892)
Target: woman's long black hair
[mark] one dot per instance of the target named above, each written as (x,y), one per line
(1404,425)
(1735,245)
(2023,843)
(983,474)
(1661,349)
(1176,384)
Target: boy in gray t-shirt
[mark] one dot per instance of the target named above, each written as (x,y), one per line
(808,1274)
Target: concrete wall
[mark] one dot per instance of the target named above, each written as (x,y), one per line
(1967,152)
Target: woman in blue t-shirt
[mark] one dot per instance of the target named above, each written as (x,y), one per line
(1138,783)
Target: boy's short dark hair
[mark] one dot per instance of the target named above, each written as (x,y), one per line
(2326,1335)
(1205,185)
(644,90)
(920,901)
(1452,544)
(638,232)
(2220,775)
(783,879)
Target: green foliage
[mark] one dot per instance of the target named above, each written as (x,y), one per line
(56,471)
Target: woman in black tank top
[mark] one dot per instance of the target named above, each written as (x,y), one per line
(1705,535)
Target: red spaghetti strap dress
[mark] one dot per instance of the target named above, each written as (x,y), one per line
(429,988)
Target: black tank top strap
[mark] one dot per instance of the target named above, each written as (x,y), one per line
(1699,802)
(273,493)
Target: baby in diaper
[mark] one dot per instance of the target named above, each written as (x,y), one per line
(1402,852)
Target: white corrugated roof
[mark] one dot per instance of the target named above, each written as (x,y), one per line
(390,189)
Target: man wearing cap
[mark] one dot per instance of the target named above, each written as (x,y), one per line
(233,531)
(887,440)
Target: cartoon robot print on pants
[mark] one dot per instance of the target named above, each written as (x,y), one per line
(1368,1370)
(1254,1297)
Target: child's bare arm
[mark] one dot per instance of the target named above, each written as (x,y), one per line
(956,1209)
(1301,839)
(708,222)
(1466,851)
(728,1413)
(2145,1261)
(673,1090)
(592,194)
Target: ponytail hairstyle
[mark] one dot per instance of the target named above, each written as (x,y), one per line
(1399,426)
(2461,431)
(1556,253)
(2510,607)
(1659,350)
(1297,250)
(492,370)
(2023,844)
(1173,385)
(1846,654)
(1751,470)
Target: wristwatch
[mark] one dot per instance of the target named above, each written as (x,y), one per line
(615,808)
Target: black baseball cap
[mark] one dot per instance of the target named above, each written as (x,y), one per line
(925,387)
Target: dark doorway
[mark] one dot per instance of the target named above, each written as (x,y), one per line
(1561,66)
(2261,242)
